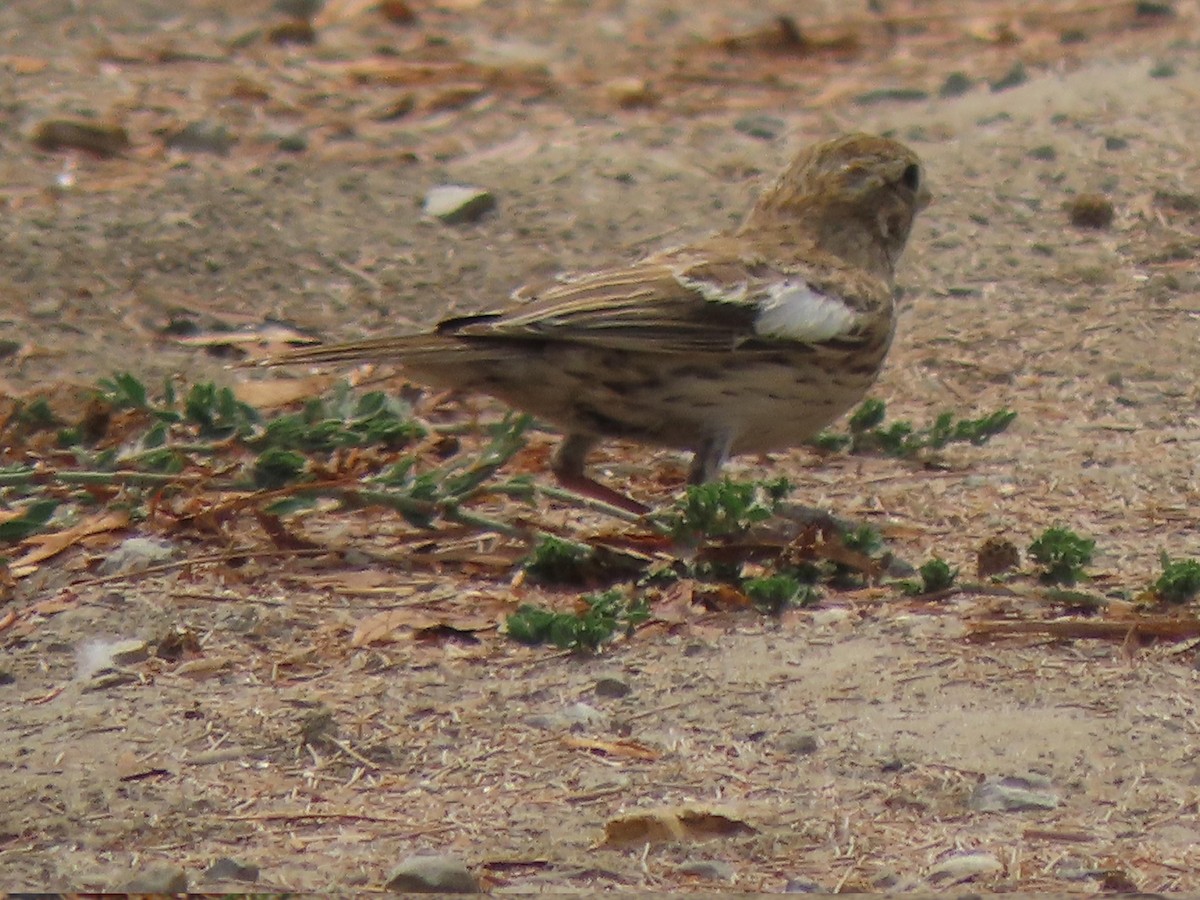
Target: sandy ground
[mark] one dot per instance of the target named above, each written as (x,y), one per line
(848,739)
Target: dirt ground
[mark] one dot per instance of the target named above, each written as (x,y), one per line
(848,740)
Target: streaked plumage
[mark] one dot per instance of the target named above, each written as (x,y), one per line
(749,341)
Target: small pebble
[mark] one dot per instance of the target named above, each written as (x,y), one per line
(129,652)
(397,12)
(293,31)
(432,875)
(226,869)
(963,867)
(46,308)
(612,687)
(159,880)
(1077,869)
(454,203)
(802,885)
(80,134)
(201,137)
(103,681)
(1090,211)
(102,656)
(1011,794)
(135,554)
(576,717)
(799,743)
(707,869)
(630,92)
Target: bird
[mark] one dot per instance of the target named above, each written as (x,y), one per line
(746,341)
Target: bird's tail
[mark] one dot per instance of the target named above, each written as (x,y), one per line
(418,350)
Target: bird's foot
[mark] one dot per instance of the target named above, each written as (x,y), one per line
(588,487)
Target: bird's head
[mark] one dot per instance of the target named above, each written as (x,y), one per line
(854,197)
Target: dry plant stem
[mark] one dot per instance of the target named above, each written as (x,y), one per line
(461,516)
(50,476)
(224,556)
(1072,629)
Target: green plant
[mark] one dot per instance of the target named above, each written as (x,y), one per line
(936,576)
(864,539)
(723,508)
(867,432)
(1179,581)
(344,419)
(202,437)
(274,468)
(583,631)
(555,561)
(1063,554)
(865,542)
(30,520)
(773,594)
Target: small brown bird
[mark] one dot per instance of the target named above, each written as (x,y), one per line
(742,342)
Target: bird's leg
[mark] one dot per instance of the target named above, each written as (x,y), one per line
(567,465)
(710,457)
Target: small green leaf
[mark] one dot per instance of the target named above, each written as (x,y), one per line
(936,576)
(1063,554)
(31,520)
(1179,581)
(775,593)
(869,415)
(556,561)
(724,508)
(275,468)
(124,391)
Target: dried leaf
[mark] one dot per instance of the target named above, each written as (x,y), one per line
(394,625)
(271,336)
(282,392)
(665,824)
(203,668)
(625,748)
(44,546)
(25,65)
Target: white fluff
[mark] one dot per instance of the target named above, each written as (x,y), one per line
(795,311)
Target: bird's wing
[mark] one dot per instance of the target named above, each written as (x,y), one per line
(676,306)
(670,304)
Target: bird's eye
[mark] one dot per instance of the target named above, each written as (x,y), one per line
(911,178)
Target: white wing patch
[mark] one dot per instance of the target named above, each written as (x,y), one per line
(795,311)
(712,291)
